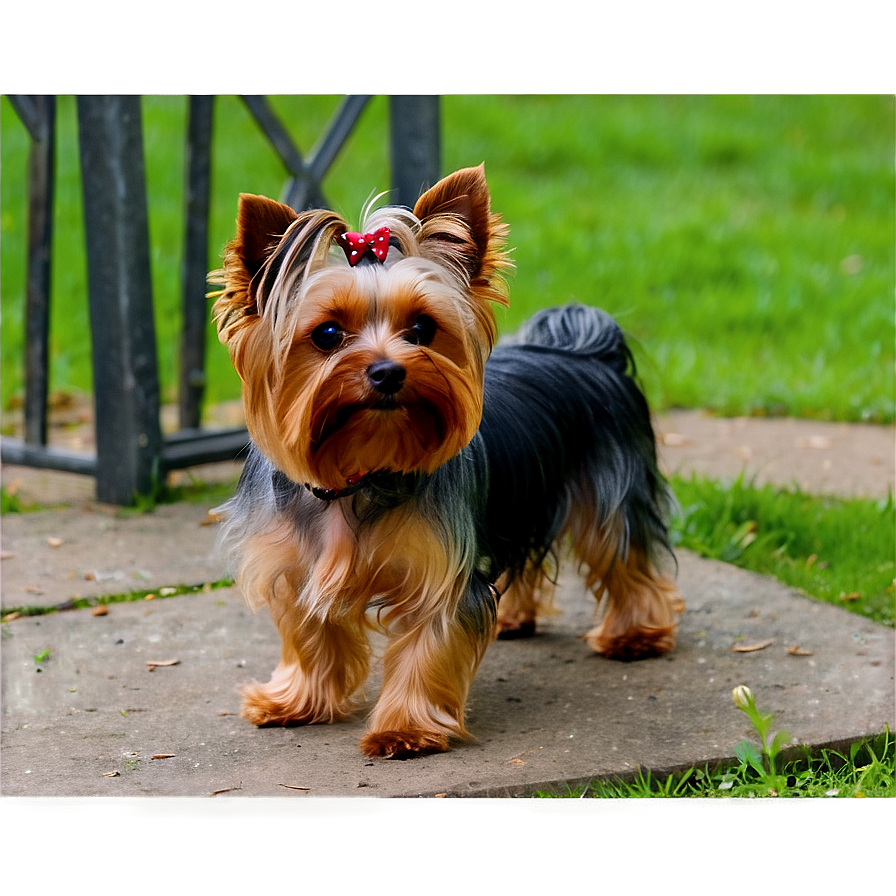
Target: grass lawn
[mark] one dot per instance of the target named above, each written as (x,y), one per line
(841,551)
(746,243)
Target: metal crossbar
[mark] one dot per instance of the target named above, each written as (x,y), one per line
(303,189)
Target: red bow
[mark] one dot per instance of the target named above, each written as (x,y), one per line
(356,245)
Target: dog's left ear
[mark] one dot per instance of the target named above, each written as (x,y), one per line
(458,224)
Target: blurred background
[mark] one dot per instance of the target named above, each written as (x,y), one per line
(745,243)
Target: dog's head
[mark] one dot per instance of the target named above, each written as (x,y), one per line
(364,351)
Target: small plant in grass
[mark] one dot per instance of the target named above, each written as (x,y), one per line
(762,760)
(9,502)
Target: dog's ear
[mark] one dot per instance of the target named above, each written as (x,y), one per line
(456,216)
(459,230)
(260,224)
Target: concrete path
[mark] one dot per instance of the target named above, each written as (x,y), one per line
(143,700)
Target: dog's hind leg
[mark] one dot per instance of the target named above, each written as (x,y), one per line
(521,601)
(640,605)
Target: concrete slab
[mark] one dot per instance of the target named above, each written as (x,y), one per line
(816,456)
(546,712)
(53,556)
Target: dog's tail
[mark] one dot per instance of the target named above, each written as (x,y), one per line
(580,330)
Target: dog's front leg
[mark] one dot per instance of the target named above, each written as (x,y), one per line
(322,664)
(428,670)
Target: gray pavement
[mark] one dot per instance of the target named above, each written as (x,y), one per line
(143,700)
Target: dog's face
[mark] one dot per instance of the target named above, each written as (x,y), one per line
(351,368)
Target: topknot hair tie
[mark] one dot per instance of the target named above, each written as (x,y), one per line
(359,246)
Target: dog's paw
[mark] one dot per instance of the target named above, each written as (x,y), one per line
(635,645)
(266,713)
(403,744)
(267,706)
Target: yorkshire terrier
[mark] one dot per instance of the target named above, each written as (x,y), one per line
(405,477)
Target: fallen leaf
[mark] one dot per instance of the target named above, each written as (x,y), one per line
(54,542)
(115,774)
(149,597)
(100,610)
(516,762)
(855,595)
(440,795)
(163,756)
(153,663)
(10,616)
(226,789)
(750,648)
(89,576)
(796,650)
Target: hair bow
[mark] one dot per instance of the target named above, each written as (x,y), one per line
(357,246)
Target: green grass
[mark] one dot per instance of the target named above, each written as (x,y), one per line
(10,503)
(747,243)
(840,551)
(125,597)
(867,769)
(766,767)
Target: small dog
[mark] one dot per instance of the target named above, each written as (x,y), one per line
(403,476)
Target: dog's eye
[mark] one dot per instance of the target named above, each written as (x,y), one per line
(327,336)
(422,331)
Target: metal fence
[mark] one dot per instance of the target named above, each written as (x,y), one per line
(132,455)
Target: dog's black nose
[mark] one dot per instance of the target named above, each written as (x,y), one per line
(386,376)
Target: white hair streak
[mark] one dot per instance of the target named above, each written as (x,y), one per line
(388,215)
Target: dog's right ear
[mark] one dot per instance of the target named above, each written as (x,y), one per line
(260,225)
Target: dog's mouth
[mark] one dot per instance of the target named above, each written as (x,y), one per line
(425,414)
(334,422)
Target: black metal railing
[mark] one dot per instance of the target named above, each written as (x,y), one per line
(132,455)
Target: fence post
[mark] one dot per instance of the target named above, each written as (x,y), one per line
(125,371)
(38,114)
(415,142)
(195,264)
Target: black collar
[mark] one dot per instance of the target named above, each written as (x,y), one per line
(331,494)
